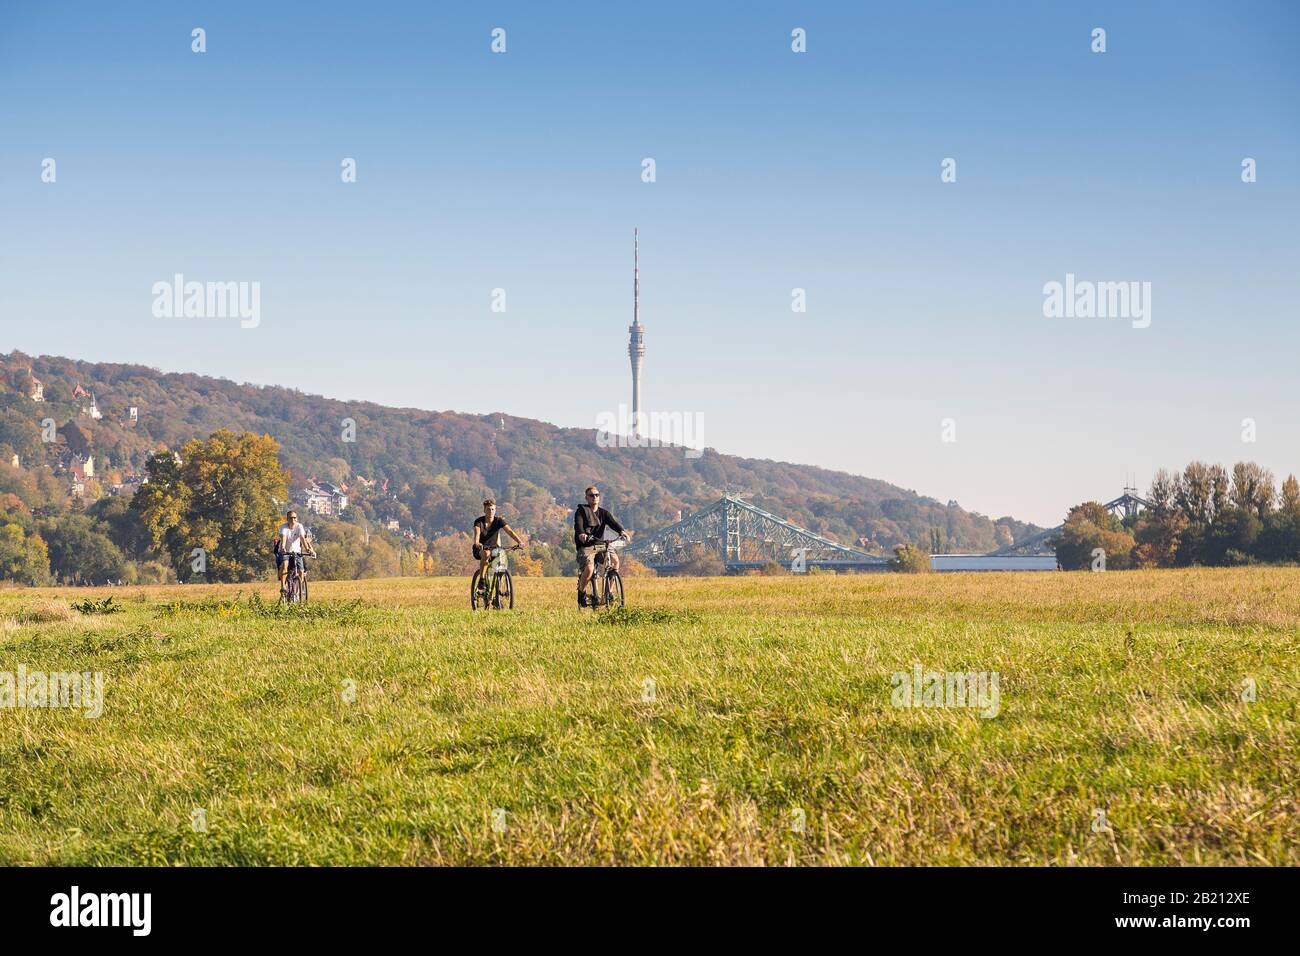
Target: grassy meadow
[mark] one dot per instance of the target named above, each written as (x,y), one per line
(390,725)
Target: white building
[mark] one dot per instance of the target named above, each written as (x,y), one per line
(83,468)
(992,562)
(323,498)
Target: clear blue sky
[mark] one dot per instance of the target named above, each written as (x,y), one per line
(775,171)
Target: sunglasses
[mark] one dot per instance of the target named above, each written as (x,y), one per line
(593,496)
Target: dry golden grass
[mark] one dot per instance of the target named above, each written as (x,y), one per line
(390,732)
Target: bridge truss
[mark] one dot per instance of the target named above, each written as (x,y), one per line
(1126,507)
(745,536)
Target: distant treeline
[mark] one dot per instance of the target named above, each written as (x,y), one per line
(1202,515)
(426,472)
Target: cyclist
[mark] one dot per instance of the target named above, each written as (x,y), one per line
(292,541)
(589,523)
(487,528)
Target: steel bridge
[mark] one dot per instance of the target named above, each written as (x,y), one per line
(1125,507)
(745,536)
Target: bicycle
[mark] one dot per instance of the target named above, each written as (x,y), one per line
(611,582)
(294,590)
(499,593)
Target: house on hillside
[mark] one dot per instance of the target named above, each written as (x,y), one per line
(35,390)
(129,485)
(323,498)
(82,468)
(91,410)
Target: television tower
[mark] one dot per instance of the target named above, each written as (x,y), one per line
(636,336)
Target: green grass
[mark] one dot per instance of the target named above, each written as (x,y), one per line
(1119,691)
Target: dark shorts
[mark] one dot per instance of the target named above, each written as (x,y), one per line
(478,552)
(295,562)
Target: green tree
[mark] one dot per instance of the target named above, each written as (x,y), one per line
(1234,533)
(911,559)
(1157,538)
(123,525)
(222,496)
(22,434)
(1279,540)
(379,560)
(81,554)
(1194,493)
(1088,527)
(23,555)
(1252,488)
(1290,498)
(341,551)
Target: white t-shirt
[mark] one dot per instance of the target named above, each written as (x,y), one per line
(291,538)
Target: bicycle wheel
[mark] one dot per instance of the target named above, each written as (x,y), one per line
(303,596)
(613,589)
(473,592)
(505,596)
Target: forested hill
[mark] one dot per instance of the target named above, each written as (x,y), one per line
(439,465)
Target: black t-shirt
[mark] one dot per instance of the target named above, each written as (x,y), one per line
(487,534)
(593,524)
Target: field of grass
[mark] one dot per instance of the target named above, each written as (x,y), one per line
(395,730)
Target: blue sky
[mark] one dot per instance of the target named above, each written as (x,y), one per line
(775,170)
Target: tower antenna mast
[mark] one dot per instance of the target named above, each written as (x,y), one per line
(636,334)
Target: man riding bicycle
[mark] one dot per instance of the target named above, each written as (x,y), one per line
(589,524)
(292,542)
(487,528)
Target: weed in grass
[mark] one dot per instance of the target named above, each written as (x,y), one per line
(106,606)
(338,612)
(642,616)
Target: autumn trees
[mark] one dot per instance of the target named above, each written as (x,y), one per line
(1204,515)
(1093,537)
(213,508)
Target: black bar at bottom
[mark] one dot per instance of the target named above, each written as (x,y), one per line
(334,906)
